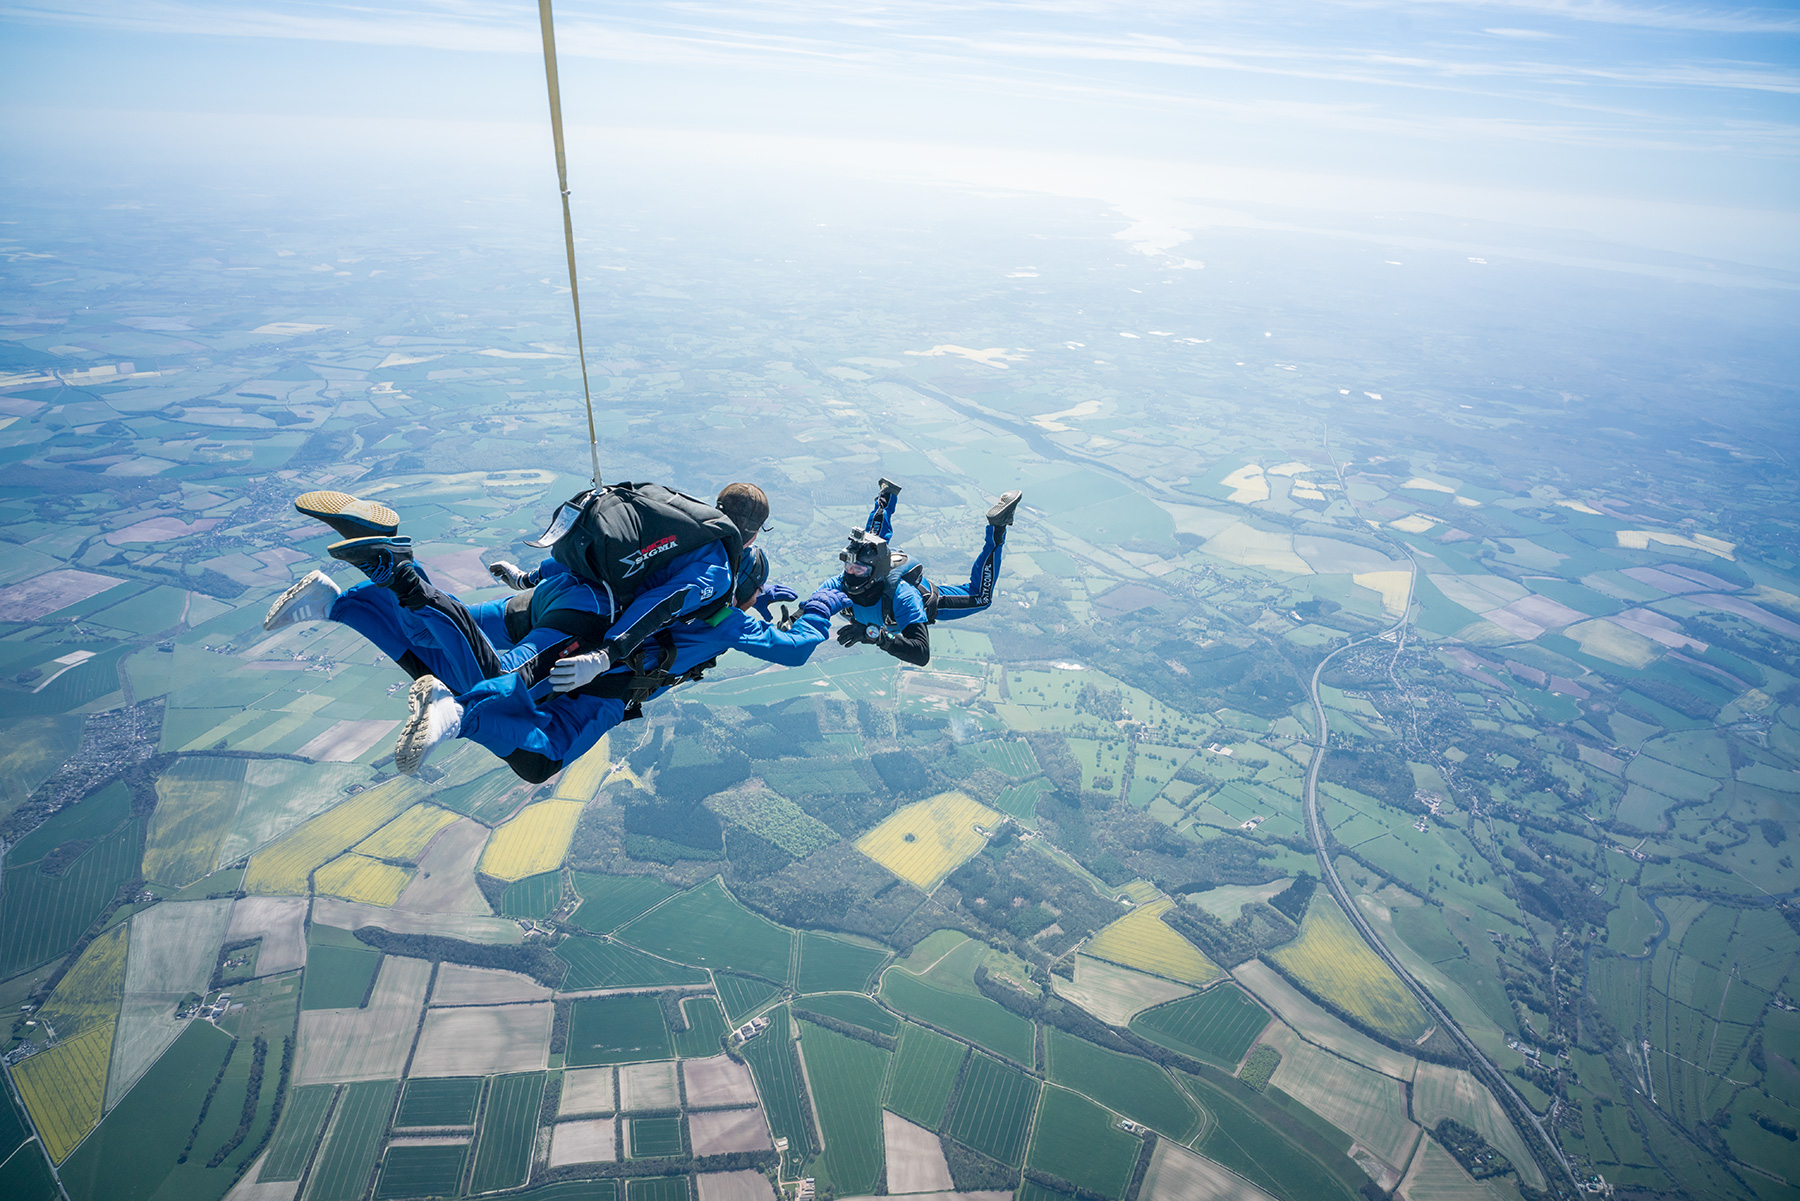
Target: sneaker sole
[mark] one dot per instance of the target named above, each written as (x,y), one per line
(282,600)
(409,748)
(1005,509)
(350,517)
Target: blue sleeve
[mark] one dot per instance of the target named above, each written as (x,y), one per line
(761,640)
(909,606)
(679,589)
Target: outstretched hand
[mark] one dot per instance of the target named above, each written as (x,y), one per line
(577,671)
(826,602)
(771,594)
(510,574)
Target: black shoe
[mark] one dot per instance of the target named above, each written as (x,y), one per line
(888,488)
(351,518)
(1002,512)
(377,558)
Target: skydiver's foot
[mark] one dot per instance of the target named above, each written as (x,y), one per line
(433,719)
(351,518)
(888,488)
(1002,512)
(309,600)
(377,558)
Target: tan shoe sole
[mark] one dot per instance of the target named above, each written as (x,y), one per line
(350,517)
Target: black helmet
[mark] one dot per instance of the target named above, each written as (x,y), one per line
(752,574)
(867,562)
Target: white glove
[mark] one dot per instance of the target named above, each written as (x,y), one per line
(510,574)
(578,670)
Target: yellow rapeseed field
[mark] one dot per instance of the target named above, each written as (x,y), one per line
(1142,940)
(581,779)
(89,993)
(405,838)
(534,841)
(64,1086)
(281,868)
(926,841)
(359,878)
(1332,960)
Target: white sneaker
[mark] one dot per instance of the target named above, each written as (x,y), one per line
(433,720)
(309,600)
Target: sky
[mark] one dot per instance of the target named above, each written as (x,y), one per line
(1666,126)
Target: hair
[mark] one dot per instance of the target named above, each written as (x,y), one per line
(746,505)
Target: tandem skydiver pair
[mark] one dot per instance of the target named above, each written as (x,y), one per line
(515,675)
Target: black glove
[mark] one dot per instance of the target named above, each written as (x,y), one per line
(853,633)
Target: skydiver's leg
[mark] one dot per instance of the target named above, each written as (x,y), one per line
(881,516)
(500,715)
(422,641)
(962,600)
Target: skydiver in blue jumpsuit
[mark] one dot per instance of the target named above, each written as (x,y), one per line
(525,640)
(501,714)
(891,606)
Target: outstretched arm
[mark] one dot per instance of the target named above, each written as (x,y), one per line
(911,645)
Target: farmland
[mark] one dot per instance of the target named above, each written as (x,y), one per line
(846,1077)
(338,977)
(1366,1105)
(1115,994)
(834,965)
(603,963)
(774,819)
(1332,960)
(359,878)
(773,1062)
(534,896)
(581,779)
(64,1086)
(587,1090)
(339,1045)
(994,1109)
(1134,1087)
(1011,757)
(197,799)
(347,1157)
(1082,1143)
(448,1101)
(743,994)
(1246,1142)
(532,842)
(1217,1026)
(728,1131)
(706,1026)
(717,1080)
(508,1130)
(648,1086)
(654,1138)
(1142,940)
(405,838)
(926,841)
(707,926)
(926,1065)
(854,1008)
(1442,1092)
(433,1170)
(622,1029)
(608,902)
(282,867)
(42,916)
(657,1188)
(975,1018)
(89,993)
(301,1120)
(482,1040)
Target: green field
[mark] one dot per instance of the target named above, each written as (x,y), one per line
(777,1071)
(1082,1143)
(657,1188)
(43,916)
(508,1132)
(617,1030)
(571,1190)
(534,896)
(446,1101)
(24,1171)
(302,1117)
(345,1162)
(655,1138)
(975,1018)
(834,965)
(602,963)
(706,1026)
(431,1171)
(707,927)
(1033,1191)
(1020,800)
(1011,757)
(197,800)
(488,799)
(993,1110)
(1255,1149)
(1217,1025)
(608,902)
(852,1008)
(93,818)
(337,977)
(742,995)
(1134,1087)
(133,1150)
(925,1069)
(846,1076)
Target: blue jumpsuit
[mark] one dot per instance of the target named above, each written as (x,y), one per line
(953,600)
(499,713)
